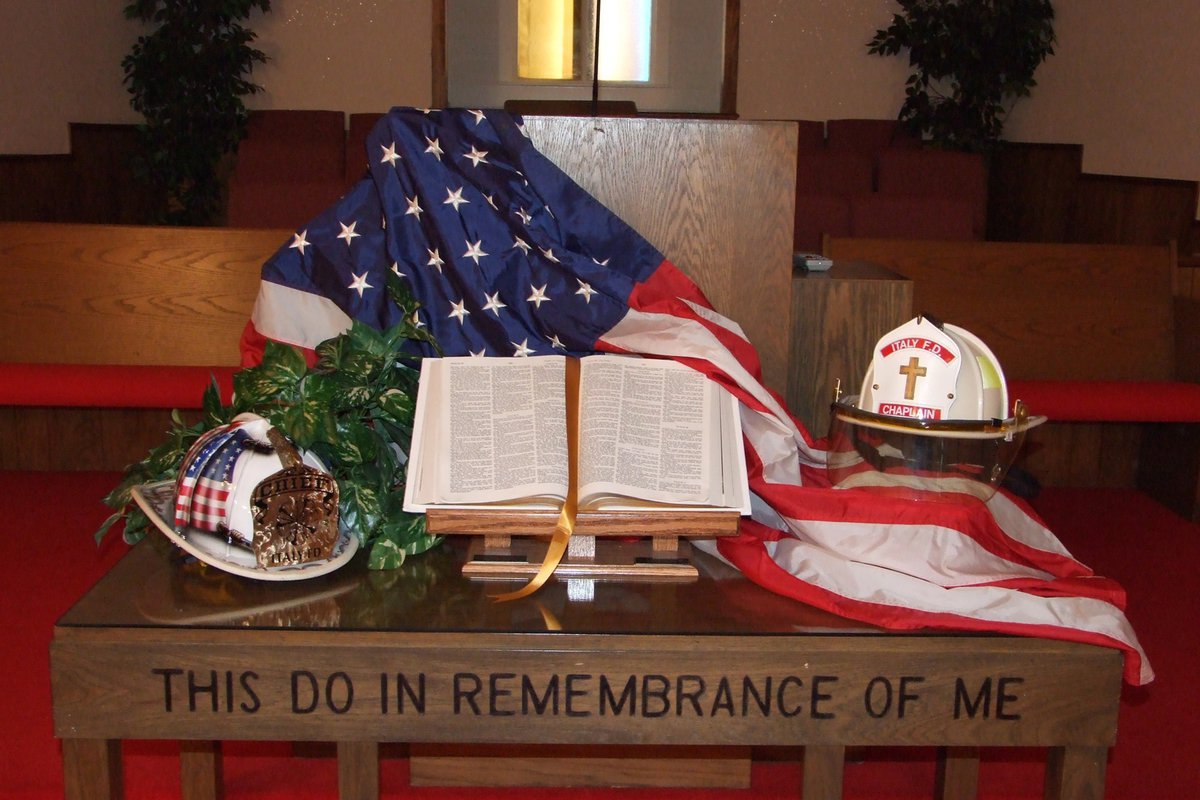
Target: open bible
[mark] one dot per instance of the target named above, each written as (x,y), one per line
(652,435)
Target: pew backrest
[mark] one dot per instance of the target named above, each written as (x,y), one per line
(1049,311)
(121,294)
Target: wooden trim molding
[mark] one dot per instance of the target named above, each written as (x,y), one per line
(733,23)
(440,93)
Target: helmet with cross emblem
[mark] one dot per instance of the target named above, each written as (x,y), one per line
(933,412)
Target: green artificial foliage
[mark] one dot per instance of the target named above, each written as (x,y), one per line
(187,78)
(353,409)
(971,60)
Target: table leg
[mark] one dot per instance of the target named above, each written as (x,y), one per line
(957,773)
(823,766)
(200,770)
(92,769)
(358,770)
(1075,773)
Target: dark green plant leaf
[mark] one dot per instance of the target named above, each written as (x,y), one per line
(385,554)
(330,354)
(112,519)
(360,507)
(137,524)
(210,402)
(369,342)
(354,443)
(400,406)
(278,375)
(399,538)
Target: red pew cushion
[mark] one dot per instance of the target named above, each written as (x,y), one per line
(1110,401)
(111,386)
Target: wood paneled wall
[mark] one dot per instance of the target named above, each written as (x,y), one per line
(1113,209)
(94,183)
(1031,191)
(1039,193)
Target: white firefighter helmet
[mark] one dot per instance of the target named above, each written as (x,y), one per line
(933,413)
(246,491)
(923,370)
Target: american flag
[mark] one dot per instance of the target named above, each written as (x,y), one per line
(203,486)
(508,256)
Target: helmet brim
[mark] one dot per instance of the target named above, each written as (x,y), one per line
(848,411)
(922,459)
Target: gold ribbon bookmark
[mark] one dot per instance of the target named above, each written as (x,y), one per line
(566,517)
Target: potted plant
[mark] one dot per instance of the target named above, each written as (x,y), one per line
(187,78)
(971,60)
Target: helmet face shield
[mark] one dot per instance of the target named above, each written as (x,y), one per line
(920,459)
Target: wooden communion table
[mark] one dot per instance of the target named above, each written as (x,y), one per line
(664,672)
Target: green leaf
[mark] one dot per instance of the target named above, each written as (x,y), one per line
(400,294)
(398,538)
(106,525)
(354,443)
(286,361)
(260,385)
(320,389)
(210,402)
(348,392)
(368,341)
(136,526)
(307,421)
(330,354)
(424,335)
(343,357)
(360,508)
(409,531)
(385,554)
(399,406)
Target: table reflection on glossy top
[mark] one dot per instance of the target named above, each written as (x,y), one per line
(156,585)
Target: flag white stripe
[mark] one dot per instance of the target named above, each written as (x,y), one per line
(712,316)
(296,317)
(873,584)
(1016,523)
(933,553)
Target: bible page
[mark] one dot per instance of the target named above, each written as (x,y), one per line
(494,432)
(648,430)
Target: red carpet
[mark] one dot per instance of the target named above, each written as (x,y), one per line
(50,516)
